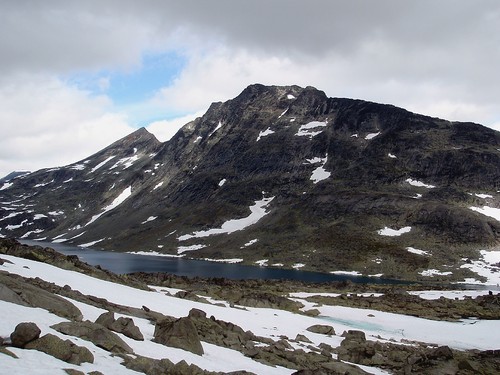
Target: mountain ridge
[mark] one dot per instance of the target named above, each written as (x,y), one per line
(338,171)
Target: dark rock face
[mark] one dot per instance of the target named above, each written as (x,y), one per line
(339,171)
(180,334)
(64,350)
(24,334)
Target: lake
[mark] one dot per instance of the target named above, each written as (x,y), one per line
(122,263)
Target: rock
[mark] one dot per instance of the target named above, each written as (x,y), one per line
(181,334)
(128,328)
(6,351)
(106,319)
(197,314)
(321,329)
(302,338)
(354,335)
(442,352)
(65,350)
(96,333)
(24,333)
(312,312)
(122,325)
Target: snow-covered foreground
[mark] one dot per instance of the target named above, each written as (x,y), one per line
(271,323)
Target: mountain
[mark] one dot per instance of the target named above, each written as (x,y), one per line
(283,176)
(12,175)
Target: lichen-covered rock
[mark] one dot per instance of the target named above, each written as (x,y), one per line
(96,333)
(181,334)
(24,333)
(65,350)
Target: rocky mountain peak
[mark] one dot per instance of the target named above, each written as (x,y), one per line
(286,175)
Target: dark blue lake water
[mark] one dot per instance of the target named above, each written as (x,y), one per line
(122,263)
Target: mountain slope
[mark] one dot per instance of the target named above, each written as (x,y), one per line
(287,175)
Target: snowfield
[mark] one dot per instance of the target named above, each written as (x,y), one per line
(266,322)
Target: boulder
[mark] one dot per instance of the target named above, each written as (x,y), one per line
(127,327)
(96,333)
(24,333)
(302,338)
(65,350)
(321,329)
(181,334)
(354,335)
(106,319)
(442,352)
(122,325)
(312,312)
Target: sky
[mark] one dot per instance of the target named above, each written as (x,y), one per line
(76,76)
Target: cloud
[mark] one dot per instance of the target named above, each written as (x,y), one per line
(437,58)
(46,123)
(166,129)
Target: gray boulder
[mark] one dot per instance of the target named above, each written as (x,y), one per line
(181,334)
(24,333)
(122,325)
(321,329)
(64,350)
(96,333)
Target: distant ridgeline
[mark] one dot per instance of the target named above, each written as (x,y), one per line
(282,177)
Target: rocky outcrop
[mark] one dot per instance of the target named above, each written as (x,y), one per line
(181,333)
(30,295)
(96,333)
(65,350)
(122,325)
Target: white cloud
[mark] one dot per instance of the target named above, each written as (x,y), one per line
(166,129)
(45,123)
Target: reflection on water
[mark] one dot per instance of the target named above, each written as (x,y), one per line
(122,263)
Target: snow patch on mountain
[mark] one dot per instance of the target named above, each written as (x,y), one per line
(488,211)
(6,185)
(265,133)
(258,211)
(101,164)
(371,136)
(320,173)
(116,202)
(151,218)
(126,162)
(488,267)
(413,182)
(386,231)
(311,129)
(219,125)
(417,251)
(183,249)
(434,272)
(89,244)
